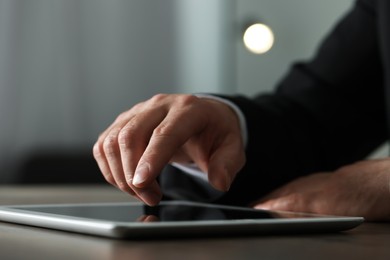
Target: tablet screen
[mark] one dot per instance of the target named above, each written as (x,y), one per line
(164,212)
(170,218)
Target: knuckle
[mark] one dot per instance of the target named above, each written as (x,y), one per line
(124,137)
(163,130)
(187,100)
(110,145)
(126,115)
(121,116)
(158,98)
(96,151)
(166,133)
(138,106)
(101,135)
(122,185)
(129,136)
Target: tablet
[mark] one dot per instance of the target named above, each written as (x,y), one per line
(171,219)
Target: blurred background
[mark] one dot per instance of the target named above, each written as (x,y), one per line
(69,67)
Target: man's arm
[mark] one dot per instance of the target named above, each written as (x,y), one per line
(326,113)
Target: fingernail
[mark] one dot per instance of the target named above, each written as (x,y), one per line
(140,174)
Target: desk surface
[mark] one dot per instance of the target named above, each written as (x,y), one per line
(368,241)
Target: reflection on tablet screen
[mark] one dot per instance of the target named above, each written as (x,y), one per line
(198,213)
(165,212)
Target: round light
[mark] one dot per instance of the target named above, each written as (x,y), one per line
(258,38)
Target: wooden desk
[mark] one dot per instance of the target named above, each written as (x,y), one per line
(369,241)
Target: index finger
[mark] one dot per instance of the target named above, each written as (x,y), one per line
(169,136)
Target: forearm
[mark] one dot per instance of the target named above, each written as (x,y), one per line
(316,121)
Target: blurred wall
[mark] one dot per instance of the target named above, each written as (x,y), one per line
(206,45)
(68,67)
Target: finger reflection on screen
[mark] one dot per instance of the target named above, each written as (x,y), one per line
(148,218)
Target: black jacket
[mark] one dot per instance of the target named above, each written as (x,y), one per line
(324,114)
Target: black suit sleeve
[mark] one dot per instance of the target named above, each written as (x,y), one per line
(326,113)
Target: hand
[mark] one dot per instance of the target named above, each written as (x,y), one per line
(170,128)
(360,189)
